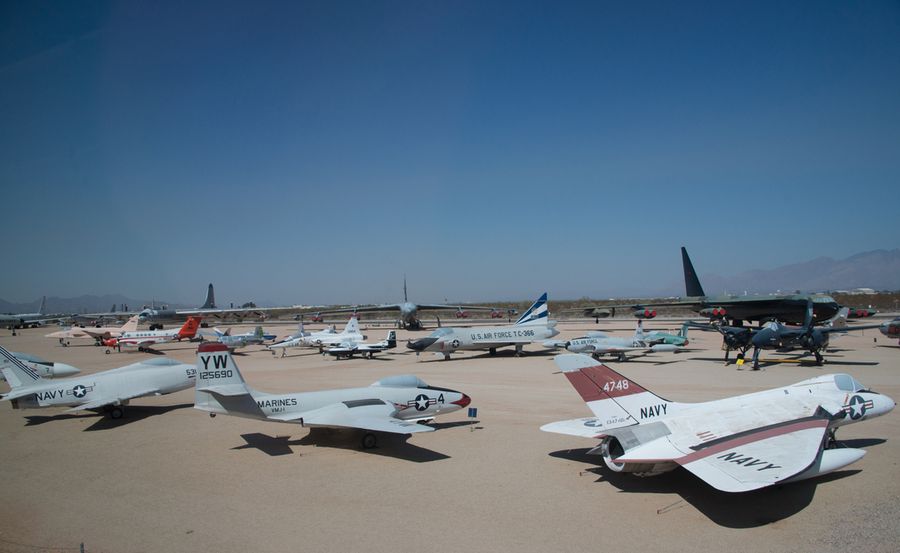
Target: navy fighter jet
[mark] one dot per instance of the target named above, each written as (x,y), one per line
(733,444)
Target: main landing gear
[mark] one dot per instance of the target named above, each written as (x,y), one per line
(369,440)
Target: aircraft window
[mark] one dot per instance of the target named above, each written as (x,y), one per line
(440,332)
(847,383)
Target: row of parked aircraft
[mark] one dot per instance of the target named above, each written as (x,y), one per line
(734,444)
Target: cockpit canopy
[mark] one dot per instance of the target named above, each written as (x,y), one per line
(402,381)
(440,332)
(847,383)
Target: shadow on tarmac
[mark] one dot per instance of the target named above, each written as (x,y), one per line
(133,413)
(731,510)
(389,445)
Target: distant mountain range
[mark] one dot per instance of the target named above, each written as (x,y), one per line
(878,269)
(82,304)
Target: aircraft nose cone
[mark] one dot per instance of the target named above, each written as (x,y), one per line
(420,344)
(62,369)
(463,401)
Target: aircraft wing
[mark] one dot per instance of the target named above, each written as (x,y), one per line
(97,403)
(744,461)
(367,414)
(455,307)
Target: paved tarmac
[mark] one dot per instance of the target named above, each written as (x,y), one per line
(170,478)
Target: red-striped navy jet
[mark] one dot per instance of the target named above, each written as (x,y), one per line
(734,444)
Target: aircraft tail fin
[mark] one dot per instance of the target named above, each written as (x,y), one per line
(352,325)
(43,308)
(210,302)
(259,334)
(615,400)
(537,313)
(220,387)
(131,324)
(406,299)
(391,339)
(189,329)
(16,373)
(840,320)
(692,286)
(683,333)
(638,332)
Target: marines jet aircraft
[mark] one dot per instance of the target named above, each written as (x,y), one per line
(532,326)
(108,390)
(395,404)
(735,444)
(349,349)
(321,339)
(599,343)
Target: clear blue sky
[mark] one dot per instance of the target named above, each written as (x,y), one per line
(315,152)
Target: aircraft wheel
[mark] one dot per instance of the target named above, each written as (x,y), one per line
(369,440)
(492,351)
(107,351)
(622,358)
(116,413)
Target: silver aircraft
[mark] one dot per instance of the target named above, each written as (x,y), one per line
(349,349)
(597,344)
(532,326)
(108,390)
(321,339)
(396,405)
(13,321)
(734,444)
(44,368)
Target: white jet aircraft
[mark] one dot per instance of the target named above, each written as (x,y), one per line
(321,339)
(143,339)
(734,444)
(349,349)
(44,368)
(395,404)
(108,390)
(532,326)
(98,333)
(600,343)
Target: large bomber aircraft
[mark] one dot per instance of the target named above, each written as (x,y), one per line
(409,311)
(734,444)
(533,326)
(107,391)
(13,321)
(97,333)
(789,309)
(396,405)
(143,339)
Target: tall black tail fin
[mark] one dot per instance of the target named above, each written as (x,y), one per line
(404,289)
(692,286)
(210,302)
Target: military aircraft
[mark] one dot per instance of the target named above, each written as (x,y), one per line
(789,309)
(44,368)
(658,337)
(256,337)
(13,321)
(396,404)
(861,312)
(532,326)
(143,339)
(109,391)
(598,344)
(98,333)
(349,349)
(891,329)
(409,312)
(321,339)
(734,444)
(776,336)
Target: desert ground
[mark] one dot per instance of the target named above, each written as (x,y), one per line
(170,478)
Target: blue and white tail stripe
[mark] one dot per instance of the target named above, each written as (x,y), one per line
(537,313)
(26,371)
